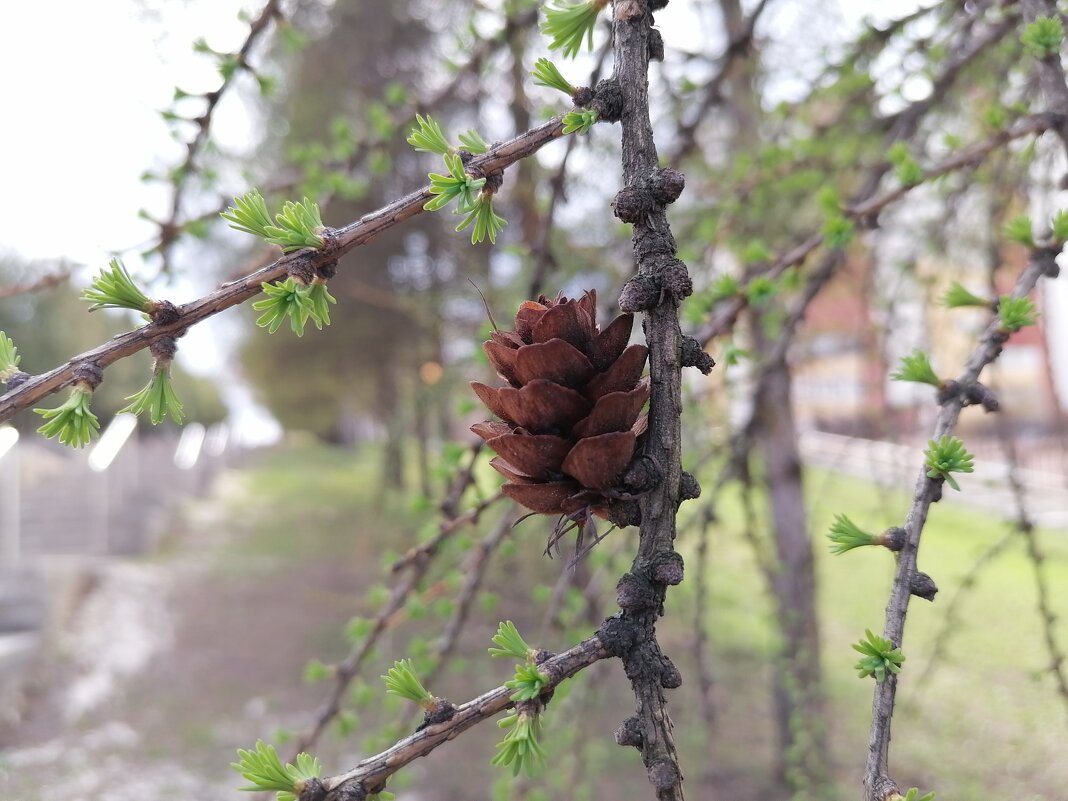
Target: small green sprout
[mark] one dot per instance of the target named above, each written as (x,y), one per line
(529,683)
(248,214)
(1018,229)
(73,423)
(845,535)
(912,794)
(473,143)
(1059,226)
(401,680)
(114,289)
(906,168)
(1016,313)
(755,252)
(429,138)
(837,231)
(284,299)
(510,643)
(957,297)
(298,225)
(520,747)
(916,367)
(9,358)
(1043,37)
(726,286)
(760,290)
(157,398)
(879,657)
(456,185)
(568,24)
(947,456)
(579,121)
(265,771)
(486,222)
(546,74)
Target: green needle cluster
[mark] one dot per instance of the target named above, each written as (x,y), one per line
(948,455)
(916,367)
(401,681)
(456,185)
(845,535)
(546,74)
(521,747)
(1018,230)
(579,121)
(958,297)
(9,357)
(296,226)
(1043,37)
(114,289)
(157,398)
(265,771)
(568,24)
(73,423)
(1016,313)
(879,657)
(296,301)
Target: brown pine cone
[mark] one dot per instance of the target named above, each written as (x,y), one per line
(572,413)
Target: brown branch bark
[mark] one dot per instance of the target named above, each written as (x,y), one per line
(877,782)
(344,239)
(642,591)
(371,773)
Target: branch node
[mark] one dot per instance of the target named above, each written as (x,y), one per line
(617,635)
(163,349)
(632,204)
(664,774)
(642,475)
(17,379)
(923,586)
(607,100)
(630,733)
(893,539)
(670,677)
(624,512)
(669,568)
(693,355)
(313,790)
(89,373)
(165,313)
(640,293)
(666,185)
(635,593)
(656,45)
(675,279)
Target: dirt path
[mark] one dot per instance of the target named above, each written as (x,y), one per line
(174,661)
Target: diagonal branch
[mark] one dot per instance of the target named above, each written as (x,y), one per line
(344,239)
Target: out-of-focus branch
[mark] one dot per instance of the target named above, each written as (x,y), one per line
(25,288)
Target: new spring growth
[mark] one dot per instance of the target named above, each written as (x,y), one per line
(568,24)
(529,682)
(957,297)
(474,197)
(73,423)
(1015,313)
(546,74)
(1018,230)
(9,358)
(845,535)
(579,121)
(114,289)
(158,397)
(296,226)
(906,168)
(912,794)
(947,456)
(401,680)
(521,747)
(1043,37)
(879,657)
(265,771)
(916,367)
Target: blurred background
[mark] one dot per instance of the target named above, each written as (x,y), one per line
(170,594)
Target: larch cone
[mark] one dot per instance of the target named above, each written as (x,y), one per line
(571,414)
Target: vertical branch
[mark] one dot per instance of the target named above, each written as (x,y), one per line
(661,283)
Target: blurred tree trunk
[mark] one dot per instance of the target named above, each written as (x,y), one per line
(798,692)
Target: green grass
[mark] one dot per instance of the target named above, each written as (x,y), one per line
(987,724)
(991,694)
